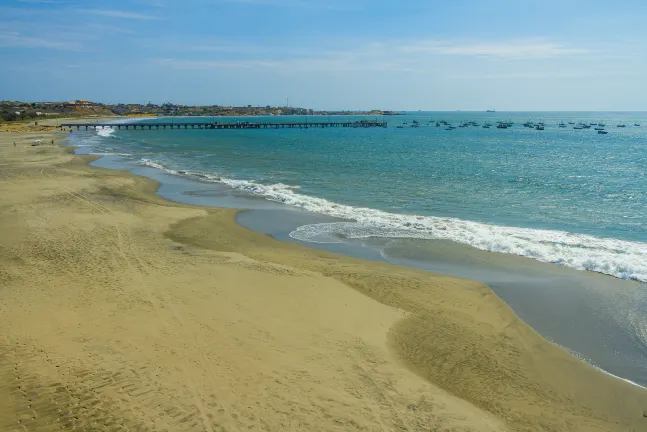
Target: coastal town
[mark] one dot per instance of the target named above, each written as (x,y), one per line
(16,111)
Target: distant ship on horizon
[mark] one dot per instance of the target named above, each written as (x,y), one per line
(490,110)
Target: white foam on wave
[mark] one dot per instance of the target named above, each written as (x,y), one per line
(105,132)
(619,258)
(620,378)
(152,164)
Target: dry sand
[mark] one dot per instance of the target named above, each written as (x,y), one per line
(50,125)
(122,311)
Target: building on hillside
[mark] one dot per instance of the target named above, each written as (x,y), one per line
(81,103)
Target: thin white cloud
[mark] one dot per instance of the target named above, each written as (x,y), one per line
(338,5)
(526,76)
(118,14)
(531,49)
(16,39)
(153,3)
(338,63)
(95,27)
(278,3)
(373,56)
(14,11)
(214,64)
(406,56)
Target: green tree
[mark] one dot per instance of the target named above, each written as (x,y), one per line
(10,116)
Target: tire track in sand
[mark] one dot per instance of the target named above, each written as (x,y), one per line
(82,392)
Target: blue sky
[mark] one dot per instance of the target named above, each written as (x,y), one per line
(329,54)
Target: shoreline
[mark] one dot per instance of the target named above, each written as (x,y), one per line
(501,371)
(587,352)
(362,255)
(530,288)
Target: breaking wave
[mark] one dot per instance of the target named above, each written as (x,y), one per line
(620,258)
(105,132)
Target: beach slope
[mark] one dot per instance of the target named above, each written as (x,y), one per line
(122,311)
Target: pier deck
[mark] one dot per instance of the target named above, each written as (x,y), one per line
(237,125)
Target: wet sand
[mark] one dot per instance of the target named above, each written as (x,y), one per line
(123,311)
(598,317)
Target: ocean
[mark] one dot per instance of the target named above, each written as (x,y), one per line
(561,195)
(563,208)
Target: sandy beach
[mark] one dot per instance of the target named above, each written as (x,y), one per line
(120,310)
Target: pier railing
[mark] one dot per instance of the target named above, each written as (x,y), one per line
(214,125)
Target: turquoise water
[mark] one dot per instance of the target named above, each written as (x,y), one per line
(562,195)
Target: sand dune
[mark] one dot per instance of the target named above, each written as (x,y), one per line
(121,311)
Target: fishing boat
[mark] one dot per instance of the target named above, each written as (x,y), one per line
(636,124)
(621,125)
(561,124)
(399,127)
(602,132)
(539,127)
(598,128)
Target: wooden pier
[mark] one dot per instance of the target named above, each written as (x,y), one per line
(236,125)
